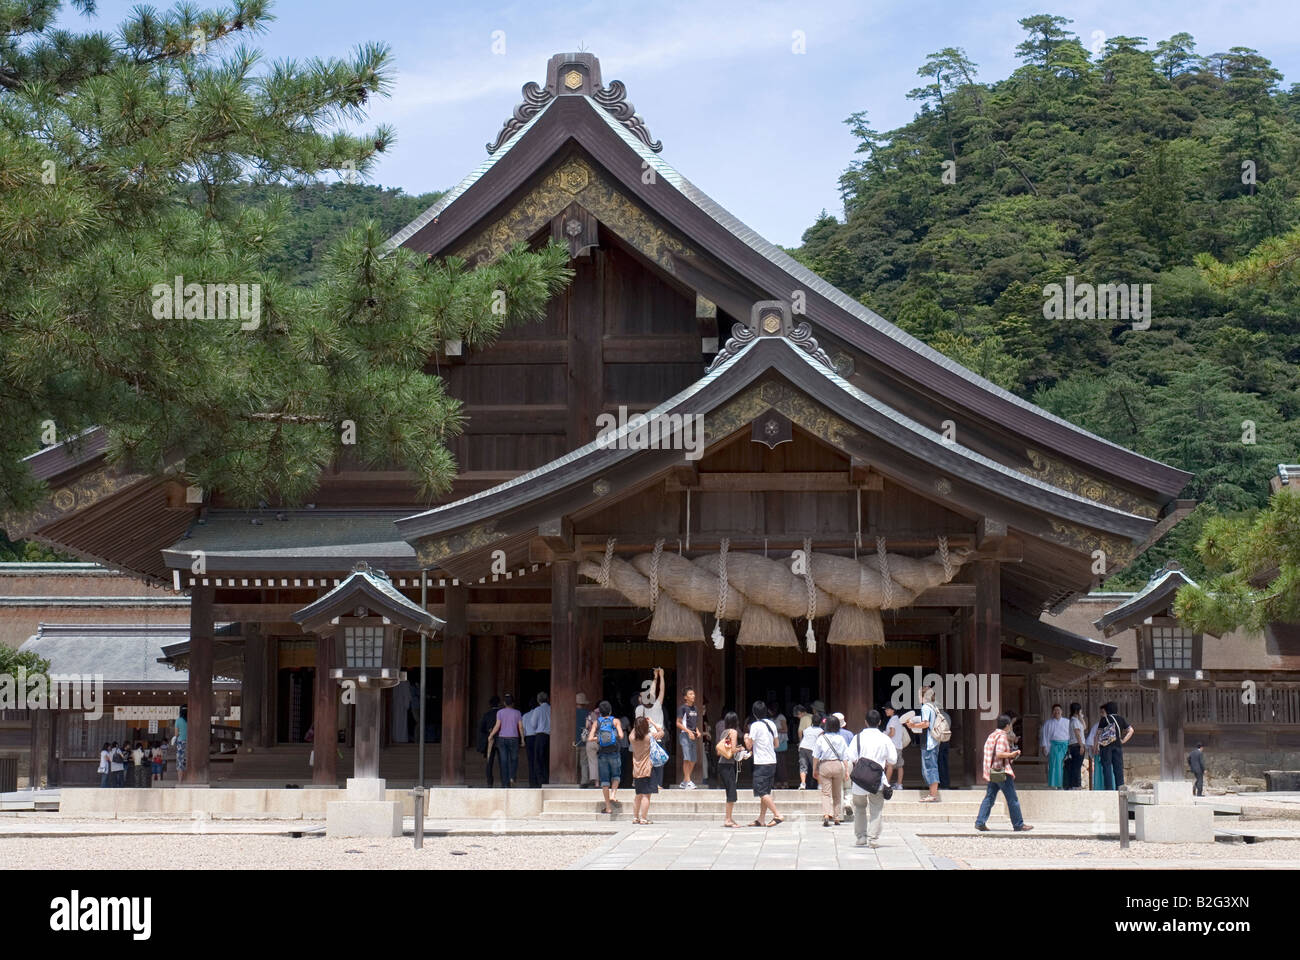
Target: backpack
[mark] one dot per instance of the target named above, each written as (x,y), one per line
(866,773)
(606,736)
(1108,732)
(940,728)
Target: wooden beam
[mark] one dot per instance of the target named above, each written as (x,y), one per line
(990,533)
(557,534)
(673,349)
(533,418)
(756,540)
(822,481)
(255,612)
(863,477)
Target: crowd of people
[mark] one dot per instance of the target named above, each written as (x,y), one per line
(816,750)
(127,765)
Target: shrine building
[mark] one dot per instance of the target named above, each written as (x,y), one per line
(705,458)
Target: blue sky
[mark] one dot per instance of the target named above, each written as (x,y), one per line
(753,124)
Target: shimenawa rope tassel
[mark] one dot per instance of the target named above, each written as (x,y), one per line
(718,639)
(606,561)
(654,572)
(809,635)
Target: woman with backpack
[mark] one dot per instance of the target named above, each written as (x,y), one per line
(606,732)
(643,732)
(730,752)
(829,753)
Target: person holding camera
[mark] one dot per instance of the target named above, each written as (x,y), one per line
(998,756)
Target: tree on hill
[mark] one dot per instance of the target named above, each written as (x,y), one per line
(1128,166)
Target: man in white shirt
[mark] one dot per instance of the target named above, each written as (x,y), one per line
(761,741)
(897,733)
(868,807)
(1055,742)
(537,741)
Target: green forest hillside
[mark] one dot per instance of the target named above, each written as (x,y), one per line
(1145,163)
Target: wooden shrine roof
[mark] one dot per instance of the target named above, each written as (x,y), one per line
(564,120)
(571,482)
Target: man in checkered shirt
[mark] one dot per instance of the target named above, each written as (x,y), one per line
(998,755)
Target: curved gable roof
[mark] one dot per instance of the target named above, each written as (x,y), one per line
(810,375)
(724,237)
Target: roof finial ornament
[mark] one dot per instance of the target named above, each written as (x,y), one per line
(771,318)
(575,74)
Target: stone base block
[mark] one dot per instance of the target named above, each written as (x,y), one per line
(366,788)
(1174,824)
(1176,792)
(363,818)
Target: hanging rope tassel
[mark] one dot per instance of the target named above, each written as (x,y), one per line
(606,561)
(947,561)
(809,635)
(887,584)
(717,637)
(654,572)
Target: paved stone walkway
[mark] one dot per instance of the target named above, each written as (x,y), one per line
(790,846)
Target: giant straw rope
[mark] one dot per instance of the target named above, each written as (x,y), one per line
(765,594)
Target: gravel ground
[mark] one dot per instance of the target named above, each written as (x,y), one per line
(307,853)
(1019,850)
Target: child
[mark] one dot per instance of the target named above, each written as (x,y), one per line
(156,760)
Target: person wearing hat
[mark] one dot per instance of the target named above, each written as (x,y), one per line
(845,732)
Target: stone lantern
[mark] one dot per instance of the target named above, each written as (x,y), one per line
(1169,662)
(366,615)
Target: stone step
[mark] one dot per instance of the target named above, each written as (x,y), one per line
(743,814)
(711,807)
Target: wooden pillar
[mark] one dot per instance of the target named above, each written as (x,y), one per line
(986,654)
(325,718)
(590,670)
(971,754)
(690,675)
(1169,718)
(252,689)
(508,669)
(270,712)
(199,699)
(855,696)
(483,676)
(455,687)
(564,678)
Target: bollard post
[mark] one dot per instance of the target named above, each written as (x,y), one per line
(417,793)
(1123,818)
